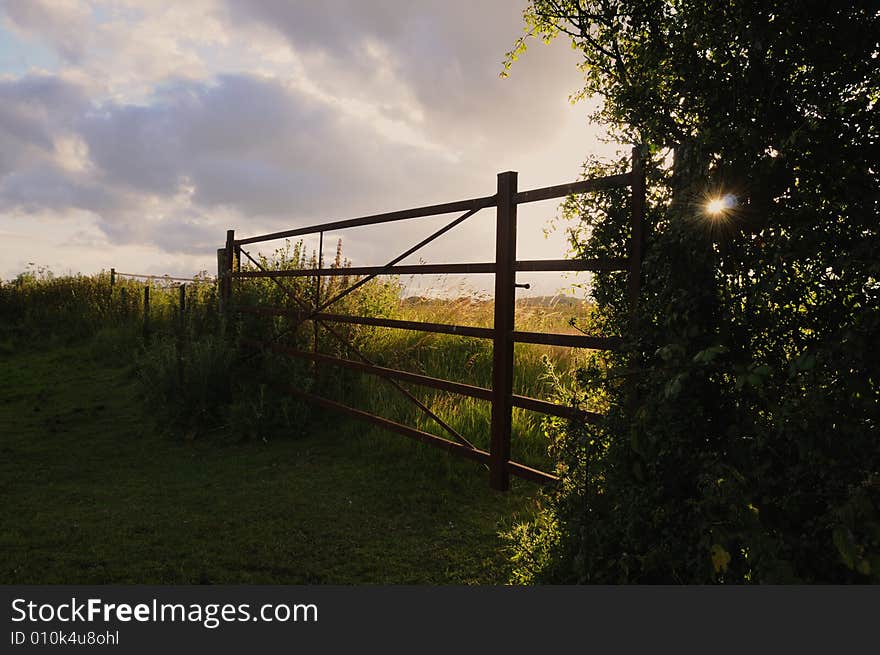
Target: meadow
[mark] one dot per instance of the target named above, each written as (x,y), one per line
(164,453)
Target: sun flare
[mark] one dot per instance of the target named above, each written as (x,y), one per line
(721,204)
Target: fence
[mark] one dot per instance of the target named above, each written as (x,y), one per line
(181,287)
(502,333)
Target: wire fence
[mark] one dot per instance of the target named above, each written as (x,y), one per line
(174,308)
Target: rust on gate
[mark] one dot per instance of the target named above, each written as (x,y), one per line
(503,335)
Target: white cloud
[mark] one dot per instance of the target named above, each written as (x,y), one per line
(170,121)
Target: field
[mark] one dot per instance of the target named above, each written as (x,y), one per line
(168,458)
(94,492)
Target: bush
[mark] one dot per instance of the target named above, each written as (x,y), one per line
(188,385)
(749,450)
(750,453)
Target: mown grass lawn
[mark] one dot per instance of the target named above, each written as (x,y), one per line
(92,492)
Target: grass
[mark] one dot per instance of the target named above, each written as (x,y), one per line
(92,491)
(543,372)
(175,459)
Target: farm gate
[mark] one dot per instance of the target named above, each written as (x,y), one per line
(502,333)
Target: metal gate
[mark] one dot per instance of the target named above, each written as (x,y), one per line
(502,333)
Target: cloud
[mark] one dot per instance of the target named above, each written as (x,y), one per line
(246,142)
(62,23)
(430,62)
(34,110)
(169,122)
(239,142)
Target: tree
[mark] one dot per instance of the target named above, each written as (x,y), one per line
(752,453)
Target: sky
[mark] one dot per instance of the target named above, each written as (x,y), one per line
(134,133)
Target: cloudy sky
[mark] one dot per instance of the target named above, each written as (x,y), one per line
(134,133)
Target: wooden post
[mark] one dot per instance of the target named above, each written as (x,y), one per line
(110,311)
(182,304)
(178,345)
(146,311)
(636,252)
(228,268)
(502,350)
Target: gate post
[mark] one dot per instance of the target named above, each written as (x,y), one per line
(228,263)
(637,238)
(502,349)
(636,253)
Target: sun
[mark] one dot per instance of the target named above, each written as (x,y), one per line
(715,206)
(721,205)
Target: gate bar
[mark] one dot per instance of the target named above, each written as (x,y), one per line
(415,269)
(481,456)
(583,186)
(481,393)
(570,340)
(533,195)
(545,407)
(423,380)
(473,204)
(528,265)
(425,437)
(440,328)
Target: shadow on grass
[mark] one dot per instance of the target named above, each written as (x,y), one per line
(91,492)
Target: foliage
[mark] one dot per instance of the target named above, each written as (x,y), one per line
(187,385)
(39,307)
(199,382)
(750,453)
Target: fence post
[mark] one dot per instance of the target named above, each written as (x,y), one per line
(502,349)
(182,304)
(178,342)
(147,311)
(228,268)
(110,311)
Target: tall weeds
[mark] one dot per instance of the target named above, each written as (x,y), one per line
(196,378)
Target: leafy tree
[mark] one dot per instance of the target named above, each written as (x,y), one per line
(751,450)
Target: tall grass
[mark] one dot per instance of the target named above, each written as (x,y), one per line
(39,308)
(543,372)
(195,377)
(170,352)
